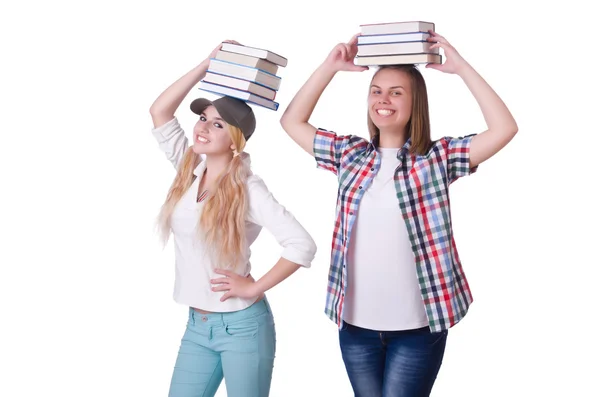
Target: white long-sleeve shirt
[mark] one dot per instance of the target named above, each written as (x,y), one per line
(193,266)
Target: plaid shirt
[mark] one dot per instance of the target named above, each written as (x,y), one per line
(422,190)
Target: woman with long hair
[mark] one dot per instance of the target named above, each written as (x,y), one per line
(215,209)
(396,283)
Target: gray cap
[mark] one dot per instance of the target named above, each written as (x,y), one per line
(234,111)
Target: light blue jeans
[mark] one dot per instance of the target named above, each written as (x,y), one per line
(238,346)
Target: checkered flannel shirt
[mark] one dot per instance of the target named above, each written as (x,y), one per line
(422,189)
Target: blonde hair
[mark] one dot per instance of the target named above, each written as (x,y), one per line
(222,223)
(418,127)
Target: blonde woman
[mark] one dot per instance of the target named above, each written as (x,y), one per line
(215,209)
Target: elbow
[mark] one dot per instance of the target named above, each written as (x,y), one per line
(154,110)
(284,122)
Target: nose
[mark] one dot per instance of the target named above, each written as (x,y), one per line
(384,98)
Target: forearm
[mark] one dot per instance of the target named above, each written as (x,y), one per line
(168,101)
(302,105)
(497,116)
(282,270)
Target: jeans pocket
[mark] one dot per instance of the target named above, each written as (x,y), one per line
(436,337)
(242,329)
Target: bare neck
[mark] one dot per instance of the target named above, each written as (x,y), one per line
(395,138)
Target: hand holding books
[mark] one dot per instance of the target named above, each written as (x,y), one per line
(454,61)
(342,56)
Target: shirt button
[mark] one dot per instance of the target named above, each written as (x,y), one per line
(372,169)
(360,187)
(352,213)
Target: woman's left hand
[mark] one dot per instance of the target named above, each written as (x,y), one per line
(235,285)
(454,61)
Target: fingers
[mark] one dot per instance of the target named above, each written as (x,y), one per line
(222,287)
(354,39)
(437,37)
(435,66)
(357,68)
(220,280)
(226,296)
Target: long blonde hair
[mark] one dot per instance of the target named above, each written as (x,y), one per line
(222,223)
(418,127)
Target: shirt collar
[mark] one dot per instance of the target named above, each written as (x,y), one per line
(374,144)
(200,168)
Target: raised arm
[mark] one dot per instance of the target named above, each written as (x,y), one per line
(295,118)
(164,107)
(501,126)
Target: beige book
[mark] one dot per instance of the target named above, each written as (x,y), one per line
(245,73)
(248,60)
(239,84)
(396,27)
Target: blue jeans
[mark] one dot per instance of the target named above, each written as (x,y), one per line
(238,347)
(391,363)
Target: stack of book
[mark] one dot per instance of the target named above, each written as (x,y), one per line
(396,43)
(246,73)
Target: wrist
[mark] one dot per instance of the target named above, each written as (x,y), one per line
(204,64)
(327,69)
(464,70)
(257,288)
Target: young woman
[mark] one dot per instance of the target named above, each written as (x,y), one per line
(396,284)
(215,209)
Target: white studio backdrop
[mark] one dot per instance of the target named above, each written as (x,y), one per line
(85,288)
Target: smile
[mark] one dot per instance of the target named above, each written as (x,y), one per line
(385,112)
(202,139)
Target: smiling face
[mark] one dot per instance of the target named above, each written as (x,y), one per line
(390,100)
(211,133)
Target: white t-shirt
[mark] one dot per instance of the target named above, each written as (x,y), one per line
(193,266)
(383,290)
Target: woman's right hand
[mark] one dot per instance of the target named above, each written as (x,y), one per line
(217,48)
(342,57)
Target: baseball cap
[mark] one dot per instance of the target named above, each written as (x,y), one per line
(234,111)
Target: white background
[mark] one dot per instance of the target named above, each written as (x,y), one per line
(85,289)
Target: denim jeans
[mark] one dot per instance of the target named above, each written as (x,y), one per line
(391,363)
(238,347)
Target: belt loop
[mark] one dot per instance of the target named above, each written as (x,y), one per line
(192,316)
(210,333)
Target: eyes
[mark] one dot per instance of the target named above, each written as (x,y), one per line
(216,124)
(378,92)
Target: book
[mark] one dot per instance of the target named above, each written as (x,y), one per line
(235,93)
(248,60)
(392,38)
(240,84)
(244,72)
(411,47)
(255,52)
(397,59)
(396,27)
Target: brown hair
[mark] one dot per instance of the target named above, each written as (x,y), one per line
(223,220)
(418,128)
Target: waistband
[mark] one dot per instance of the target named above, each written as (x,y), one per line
(254,310)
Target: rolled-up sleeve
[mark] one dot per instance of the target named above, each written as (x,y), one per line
(171,141)
(458,157)
(298,246)
(328,148)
